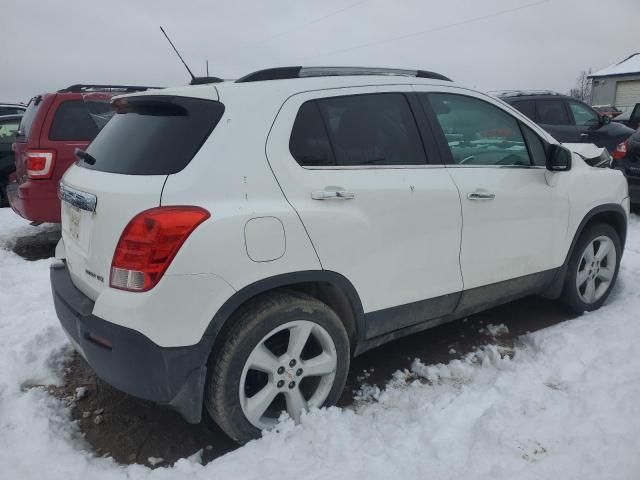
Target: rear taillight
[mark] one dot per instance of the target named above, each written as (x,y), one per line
(621,151)
(148,244)
(40,163)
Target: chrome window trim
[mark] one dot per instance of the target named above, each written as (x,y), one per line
(514,167)
(368,167)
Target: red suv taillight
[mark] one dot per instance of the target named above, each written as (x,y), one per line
(149,243)
(621,151)
(40,163)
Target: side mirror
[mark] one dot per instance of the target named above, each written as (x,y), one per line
(605,119)
(558,159)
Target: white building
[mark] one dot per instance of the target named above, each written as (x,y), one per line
(618,84)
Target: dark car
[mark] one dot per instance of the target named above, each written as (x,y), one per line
(53,127)
(628,162)
(8,128)
(631,118)
(568,120)
(12,109)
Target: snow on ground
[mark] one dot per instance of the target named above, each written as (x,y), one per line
(567,405)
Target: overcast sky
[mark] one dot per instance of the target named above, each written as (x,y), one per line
(488,44)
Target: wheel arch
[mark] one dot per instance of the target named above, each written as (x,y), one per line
(329,287)
(611,214)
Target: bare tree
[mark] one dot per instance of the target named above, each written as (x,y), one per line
(583,89)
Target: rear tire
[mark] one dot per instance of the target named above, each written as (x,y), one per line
(286,351)
(593,269)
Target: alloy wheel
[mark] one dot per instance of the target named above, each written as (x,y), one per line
(291,369)
(596,269)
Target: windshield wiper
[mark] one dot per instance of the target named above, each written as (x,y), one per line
(84,156)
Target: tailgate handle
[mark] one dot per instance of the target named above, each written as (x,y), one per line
(82,200)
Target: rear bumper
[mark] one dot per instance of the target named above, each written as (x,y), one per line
(128,360)
(37,202)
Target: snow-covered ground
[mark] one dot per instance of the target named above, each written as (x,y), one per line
(567,405)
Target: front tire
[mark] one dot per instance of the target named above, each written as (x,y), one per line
(285,352)
(593,269)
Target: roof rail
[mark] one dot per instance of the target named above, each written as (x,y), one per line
(281,73)
(84,88)
(521,93)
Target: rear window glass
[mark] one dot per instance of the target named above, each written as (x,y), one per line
(309,143)
(29,116)
(79,119)
(369,129)
(526,107)
(153,135)
(552,112)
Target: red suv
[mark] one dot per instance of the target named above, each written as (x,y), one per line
(53,126)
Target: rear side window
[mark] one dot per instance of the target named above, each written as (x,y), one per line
(552,112)
(526,107)
(371,129)
(309,142)
(153,135)
(79,120)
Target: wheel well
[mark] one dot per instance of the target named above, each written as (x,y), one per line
(326,292)
(612,218)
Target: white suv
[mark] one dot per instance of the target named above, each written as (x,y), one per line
(228,247)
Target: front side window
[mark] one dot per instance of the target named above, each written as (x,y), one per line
(583,115)
(371,129)
(477,132)
(537,148)
(552,112)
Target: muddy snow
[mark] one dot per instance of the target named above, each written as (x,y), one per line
(562,404)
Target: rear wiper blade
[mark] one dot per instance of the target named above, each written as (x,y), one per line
(84,156)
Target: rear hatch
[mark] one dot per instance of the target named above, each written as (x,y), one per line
(122,173)
(68,121)
(29,132)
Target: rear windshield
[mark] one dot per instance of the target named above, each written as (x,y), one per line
(80,119)
(29,116)
(153,135)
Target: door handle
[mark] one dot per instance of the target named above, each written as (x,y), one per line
(332,195)
(584,136)
(481,196)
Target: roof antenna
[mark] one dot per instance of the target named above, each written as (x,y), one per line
(178,53)
(194,80)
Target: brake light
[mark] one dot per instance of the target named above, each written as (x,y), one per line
(40,163)
(149,243)
(621,150)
